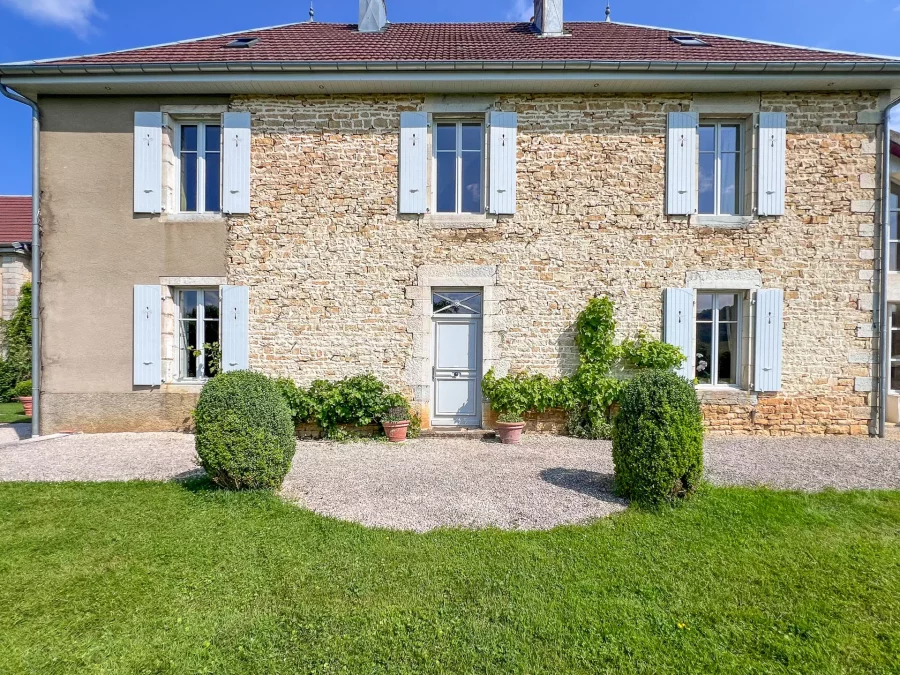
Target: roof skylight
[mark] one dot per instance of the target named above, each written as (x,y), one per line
(688,40)
(243,42)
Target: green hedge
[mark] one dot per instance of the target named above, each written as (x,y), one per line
(245,434)
(657,439)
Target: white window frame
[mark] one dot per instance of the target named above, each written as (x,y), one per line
(458,121)
(717,124)
(892,332)
(201,124)
(180,347)
(894,215)
(739,340)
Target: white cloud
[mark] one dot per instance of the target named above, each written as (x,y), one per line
(521,10)
(76,15)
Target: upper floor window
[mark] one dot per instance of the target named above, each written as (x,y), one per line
(199,352)
(721,166)
(199,156)
(893,262)
(718,338)
(459,167)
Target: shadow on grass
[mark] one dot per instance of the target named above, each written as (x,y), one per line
(591,483)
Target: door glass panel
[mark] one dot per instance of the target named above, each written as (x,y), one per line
(455,346)
(704,353)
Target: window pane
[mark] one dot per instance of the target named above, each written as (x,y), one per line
(707,196)
(471,137)
(213,133)
(189,181)
(213,181)
(728,138)
(446,137)
(704,353)
(728,306)
(707,139)
(457,303)
(188,344)
(705,306)
(895,197)
(728,196)
(471,182)
(189,137)
(895,316)
(446,182)
(894,216)
(895,377)
(189,303)
(895,343)
(728,349)
(211,305)
(210,331)
(892,260)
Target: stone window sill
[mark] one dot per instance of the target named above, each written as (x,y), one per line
(192,218)
(723,222)
(182,387)
(725,395)
(459,221)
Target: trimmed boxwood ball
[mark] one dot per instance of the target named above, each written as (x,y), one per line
(657,439)
(245,434)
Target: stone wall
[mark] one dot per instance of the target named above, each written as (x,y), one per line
(15,270)
(329,259)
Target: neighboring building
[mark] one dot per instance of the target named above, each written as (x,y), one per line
(428,201)
(15,249)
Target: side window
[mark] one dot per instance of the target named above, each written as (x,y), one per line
(199,159)
(458,166)
(894,312)
(893,262)
(199,352)
(721,168)
(718,338)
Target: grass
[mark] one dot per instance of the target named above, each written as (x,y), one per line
(13,412)
(169,578)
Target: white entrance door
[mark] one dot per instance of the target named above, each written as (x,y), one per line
(457,358)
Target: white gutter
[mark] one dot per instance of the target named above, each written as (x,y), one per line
(35,256)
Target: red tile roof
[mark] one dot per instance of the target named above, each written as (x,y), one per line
(15,219)
(463,42)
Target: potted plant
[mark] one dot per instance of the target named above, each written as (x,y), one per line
(23,393)
(510,426)
(509,397)
(395,422)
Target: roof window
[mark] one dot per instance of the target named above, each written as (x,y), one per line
(688,40)
(243,42)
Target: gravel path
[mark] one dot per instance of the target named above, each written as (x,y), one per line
(428,483)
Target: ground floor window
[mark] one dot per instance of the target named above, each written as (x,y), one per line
(199,353)
(718,338)
(894,311)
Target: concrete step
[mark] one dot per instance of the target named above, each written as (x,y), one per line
(458,433)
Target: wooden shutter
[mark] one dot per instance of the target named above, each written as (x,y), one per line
(413,162)
(678,326)
(502,193)
(769,329)
(772,142)
(235,328)
(236,162)
(147,162)
(681,163)
(147,335)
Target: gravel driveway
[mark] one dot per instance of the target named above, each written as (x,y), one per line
(430,483)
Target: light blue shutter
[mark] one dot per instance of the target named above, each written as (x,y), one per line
(147,335)
(502,193)
(681,163)
(236,162)
(769,329)
(147,162)
(235,328)
(772,141)
(678,326)
(413,162)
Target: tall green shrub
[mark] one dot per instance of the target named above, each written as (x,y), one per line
(16,366)
(657,439)
(245,434)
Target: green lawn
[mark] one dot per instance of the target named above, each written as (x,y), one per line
(12,412)
(164,578)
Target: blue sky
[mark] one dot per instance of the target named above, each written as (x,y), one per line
(37,29)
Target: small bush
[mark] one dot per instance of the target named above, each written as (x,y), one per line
(657,439)
(245,434)
(23,389)
(647,352)
(514,395)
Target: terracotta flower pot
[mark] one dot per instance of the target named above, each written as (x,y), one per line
(510,432)
(26,403)
(395,431)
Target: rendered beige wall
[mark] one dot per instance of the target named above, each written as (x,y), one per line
(94,250)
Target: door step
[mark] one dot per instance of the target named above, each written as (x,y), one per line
(458,433)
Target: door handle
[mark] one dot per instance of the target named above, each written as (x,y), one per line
(455,373)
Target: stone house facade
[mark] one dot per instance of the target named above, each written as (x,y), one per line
(426,230)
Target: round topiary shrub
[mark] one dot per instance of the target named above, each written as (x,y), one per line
(245,434)
(657,439)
